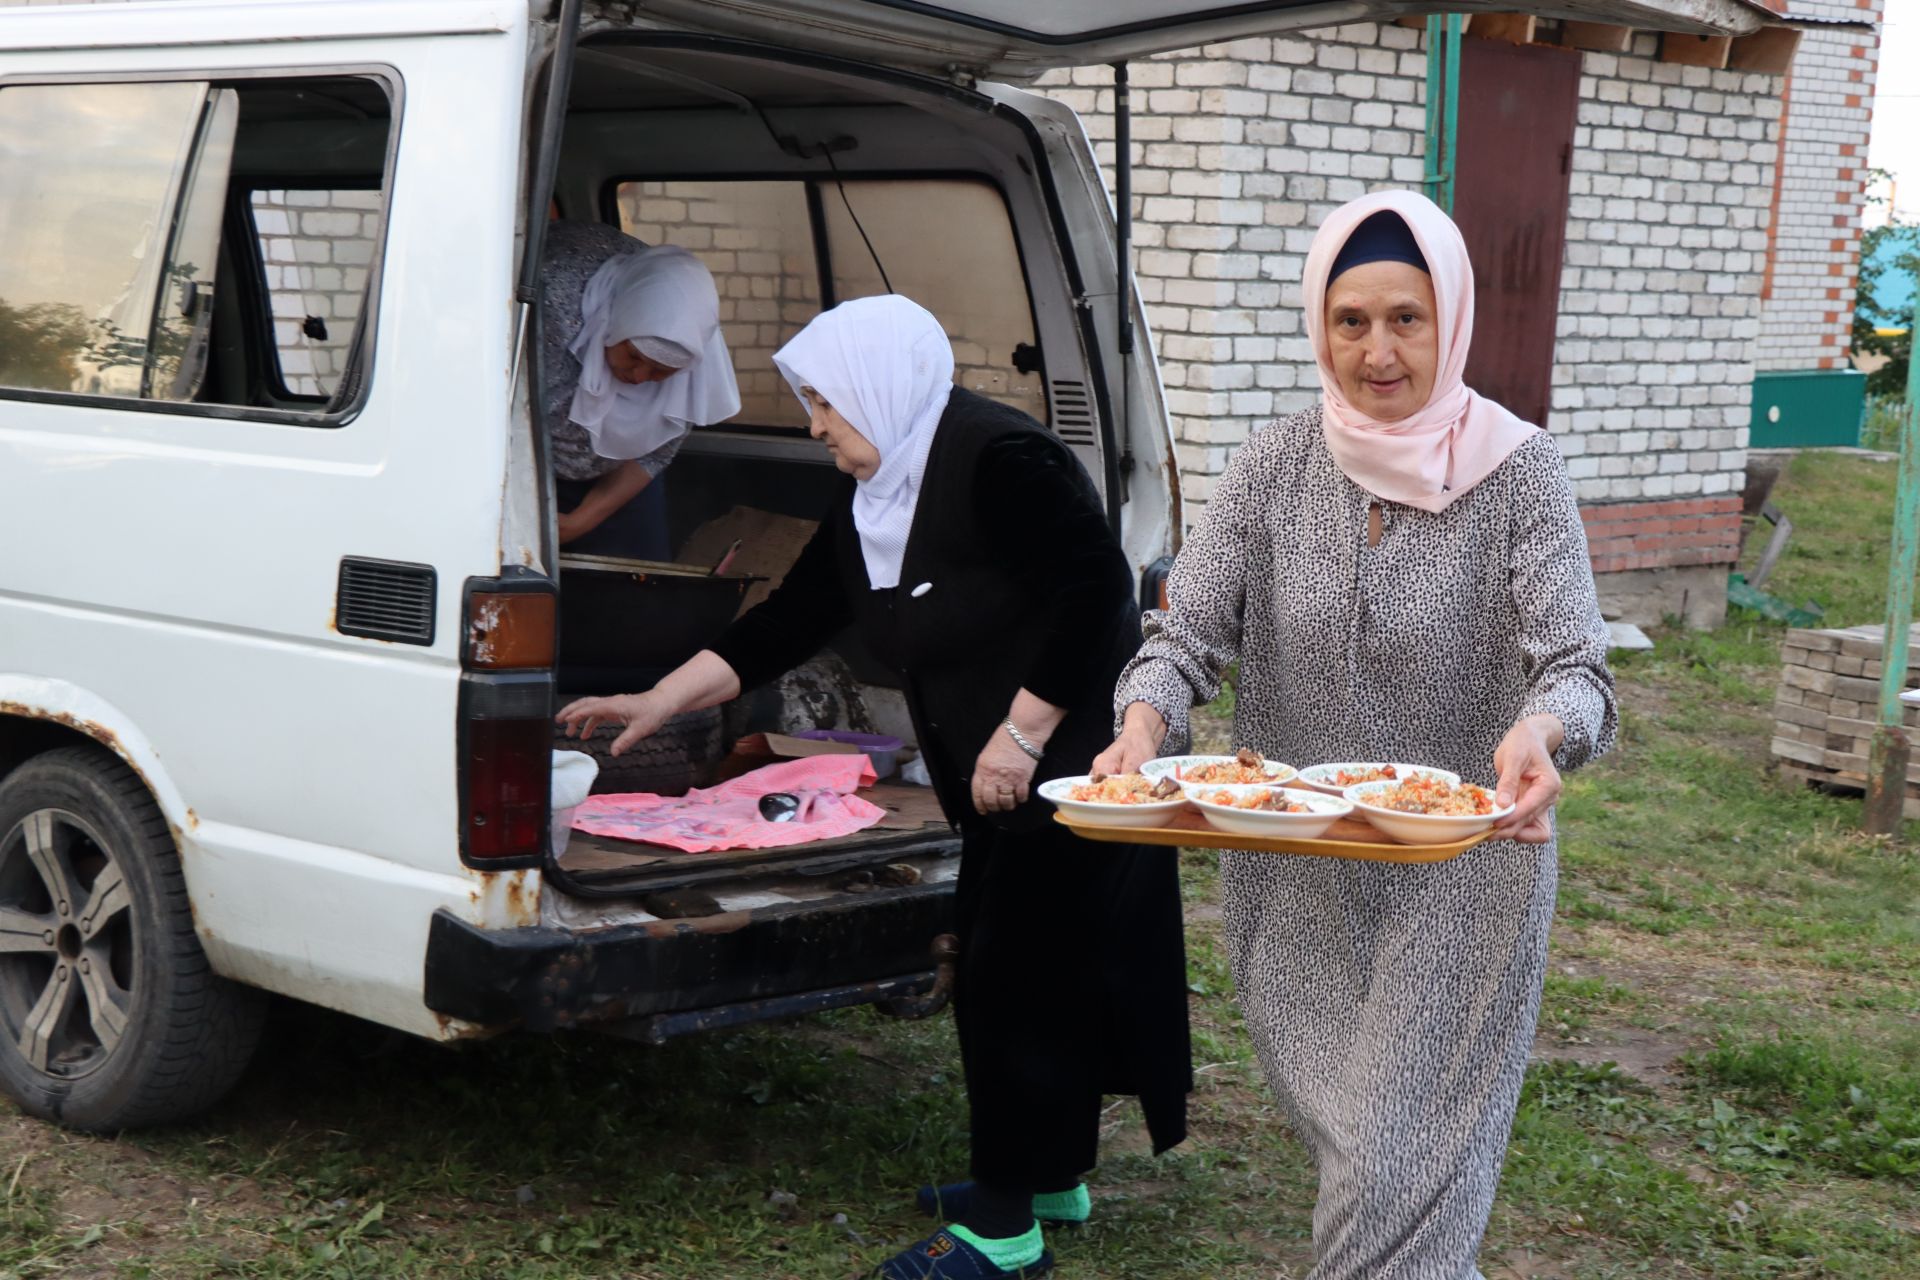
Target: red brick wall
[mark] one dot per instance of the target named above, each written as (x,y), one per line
(1663,535)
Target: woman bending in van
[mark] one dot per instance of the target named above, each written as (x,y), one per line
(1402,574)
(631,359)
(973,555)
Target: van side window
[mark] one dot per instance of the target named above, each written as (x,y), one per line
(193,242)
(777,248)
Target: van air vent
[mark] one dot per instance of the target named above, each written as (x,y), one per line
(385,600)
(1072,413)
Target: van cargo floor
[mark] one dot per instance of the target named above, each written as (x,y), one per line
(914,821)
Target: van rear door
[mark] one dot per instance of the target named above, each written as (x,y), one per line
(1016,40)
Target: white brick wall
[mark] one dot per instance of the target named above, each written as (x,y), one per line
(1808,312)
(316,247)
(1242,150)
(1660,292)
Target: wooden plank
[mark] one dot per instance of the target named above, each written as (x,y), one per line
(1820,641)
(1514,28)
(1800,715)
(1804,752)
(1862,691)
(1769,49)
(1809,679)
(1600,37)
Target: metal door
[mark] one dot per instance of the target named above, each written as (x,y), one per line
(1517,108)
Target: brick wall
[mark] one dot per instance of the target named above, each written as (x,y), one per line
(1820,192)
(316,247)
(1625,536)
(1660,292)
(1242,149)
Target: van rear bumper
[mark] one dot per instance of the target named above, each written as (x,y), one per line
(727,969)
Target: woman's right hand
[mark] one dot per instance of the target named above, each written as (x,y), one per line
(641,713)
(1141,733)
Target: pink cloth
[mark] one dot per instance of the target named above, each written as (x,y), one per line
(728,816)
(1431,458)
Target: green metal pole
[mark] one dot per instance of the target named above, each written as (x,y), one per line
(1443,105)
(1887,762)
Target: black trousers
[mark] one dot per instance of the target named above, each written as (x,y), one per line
(1071,985)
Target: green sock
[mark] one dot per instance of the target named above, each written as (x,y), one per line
(1064,1206)
(1010,1254)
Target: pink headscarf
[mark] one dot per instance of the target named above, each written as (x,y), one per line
(1432,457)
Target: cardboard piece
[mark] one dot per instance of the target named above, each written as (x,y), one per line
(769,544)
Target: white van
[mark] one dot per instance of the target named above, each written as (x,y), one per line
(283,622)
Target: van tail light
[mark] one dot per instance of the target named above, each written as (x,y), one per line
(506,720)
(1153,583)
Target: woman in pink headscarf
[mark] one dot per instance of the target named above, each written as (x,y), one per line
(1401,573)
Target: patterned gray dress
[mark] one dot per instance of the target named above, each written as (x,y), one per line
(1393,1007)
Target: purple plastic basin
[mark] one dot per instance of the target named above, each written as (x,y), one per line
(882,751)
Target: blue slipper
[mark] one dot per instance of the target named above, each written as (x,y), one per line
(945,1256)
(950,1203)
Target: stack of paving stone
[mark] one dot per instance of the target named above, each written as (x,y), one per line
(1829,705)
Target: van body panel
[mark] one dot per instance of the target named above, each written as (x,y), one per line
(185,565)
(209,23)
(1017,40)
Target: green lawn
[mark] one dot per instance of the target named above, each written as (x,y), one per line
(1728,1081)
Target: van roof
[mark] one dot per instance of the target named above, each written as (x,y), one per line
(213,22)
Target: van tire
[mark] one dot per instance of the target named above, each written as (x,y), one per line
(186,1034)
(681,755)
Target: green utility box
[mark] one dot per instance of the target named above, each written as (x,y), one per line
(1808,408)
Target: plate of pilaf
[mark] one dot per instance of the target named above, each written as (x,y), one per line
(1269,811)
(1334,779)
(1426,809)
(1130,800)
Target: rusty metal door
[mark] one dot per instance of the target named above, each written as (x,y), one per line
(1515,154)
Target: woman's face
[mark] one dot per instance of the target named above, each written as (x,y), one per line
(852,452)
(1385,338)
(631,367)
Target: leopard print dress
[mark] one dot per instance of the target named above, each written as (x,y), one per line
(1393,1007)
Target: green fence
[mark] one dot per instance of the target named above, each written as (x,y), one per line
(1808,408)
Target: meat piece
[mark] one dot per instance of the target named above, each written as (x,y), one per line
(1095,779)
(1251,759)
(1165,789)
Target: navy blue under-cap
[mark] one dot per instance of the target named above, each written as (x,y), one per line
(1384,237)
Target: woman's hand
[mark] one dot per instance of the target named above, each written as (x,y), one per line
(1141,733)
(641,713)
(1002,776)
(1528,780)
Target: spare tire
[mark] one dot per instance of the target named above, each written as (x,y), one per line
(683,754)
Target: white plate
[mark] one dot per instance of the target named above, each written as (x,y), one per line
(1326,810)
(1157,814)
(1279,775)
(1314,775)
(1418,828)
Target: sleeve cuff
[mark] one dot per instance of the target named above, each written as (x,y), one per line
(1158,683)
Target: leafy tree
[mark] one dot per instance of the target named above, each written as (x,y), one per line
(1894,246)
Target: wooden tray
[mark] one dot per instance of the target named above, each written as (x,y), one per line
(1347,838)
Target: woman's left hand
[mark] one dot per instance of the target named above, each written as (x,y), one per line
(1002,776)
(1528,780)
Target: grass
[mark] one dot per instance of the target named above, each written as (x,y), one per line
(1727,1077)
(1842,512)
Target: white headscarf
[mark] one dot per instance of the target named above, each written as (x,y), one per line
(887,366)
(661,300)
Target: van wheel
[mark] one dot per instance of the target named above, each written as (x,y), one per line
(110,1017)
(681,755)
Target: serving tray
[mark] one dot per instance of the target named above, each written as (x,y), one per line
(1346,838)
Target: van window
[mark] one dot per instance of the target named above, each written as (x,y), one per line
(777,248)
(139,265)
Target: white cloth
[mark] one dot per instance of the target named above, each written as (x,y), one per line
(886,365)
(665,294)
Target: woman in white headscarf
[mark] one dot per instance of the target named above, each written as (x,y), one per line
(632,358)
(975,558)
